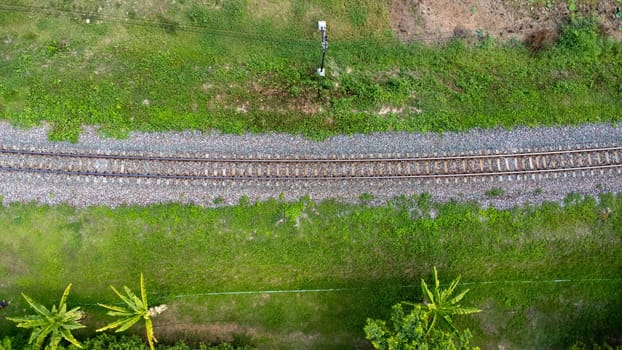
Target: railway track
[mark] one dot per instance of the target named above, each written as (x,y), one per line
(205,167)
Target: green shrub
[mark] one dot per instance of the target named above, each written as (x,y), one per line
(495,192)
(581,37)
(104,341)
(408,331)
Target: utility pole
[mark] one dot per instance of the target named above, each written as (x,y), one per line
(321,26)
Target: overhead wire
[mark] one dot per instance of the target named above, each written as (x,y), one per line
(409,286)
(439,36)
(340,290)
(154,24)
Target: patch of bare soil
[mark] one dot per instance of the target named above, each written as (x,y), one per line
(436,20)
(212,333)
(174,325)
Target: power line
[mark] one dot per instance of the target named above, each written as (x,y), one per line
(332,290)
(355,289)
(440,36)
(155,24)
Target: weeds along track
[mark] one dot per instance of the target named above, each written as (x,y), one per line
(585,161)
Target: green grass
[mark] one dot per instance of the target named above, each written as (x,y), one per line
(241,66)
(375,256)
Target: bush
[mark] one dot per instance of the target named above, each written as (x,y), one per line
(408,331)
(581,37)
(104,341)
(583,346)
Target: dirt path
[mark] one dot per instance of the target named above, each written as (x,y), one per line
(431,20)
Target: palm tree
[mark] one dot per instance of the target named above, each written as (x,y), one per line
(441,303)
(56,322)
(136,309)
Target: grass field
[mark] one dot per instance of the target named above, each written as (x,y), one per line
(544,276)
(248,66)
(306,275)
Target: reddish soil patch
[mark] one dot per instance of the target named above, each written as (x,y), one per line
(434,20)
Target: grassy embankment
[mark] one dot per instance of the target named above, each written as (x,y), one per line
(244,66)
(241,67)
(377,256)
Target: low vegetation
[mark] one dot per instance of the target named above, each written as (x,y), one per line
(241,66)
(109,342)
(52,325)
(135,310)
(428,325)
(544,277)
(270,274)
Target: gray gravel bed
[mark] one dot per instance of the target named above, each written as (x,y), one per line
(194,142)
(86,191)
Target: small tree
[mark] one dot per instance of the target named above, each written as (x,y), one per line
(442,304)
(416,330)
(409,331)
(136,309)
(56,322)
(5,344)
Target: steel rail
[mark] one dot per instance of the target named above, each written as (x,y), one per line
(306,160)
(507,164)
(281,178)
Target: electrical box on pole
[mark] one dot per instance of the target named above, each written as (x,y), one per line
(321,26)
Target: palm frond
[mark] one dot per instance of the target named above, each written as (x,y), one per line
(55,340)
(116,292)
(436,281)
(466,310)
(448,322)
(63,299)
(129,322)
(31,321)
(114,308)
(138,304)
(112,325)
(70,338)
(150,337)
(143,291)
(34,336)
(130,294)
(434,322)
(40,309)
(437,284)
(426,291)
(120,314)
(128,300)
(25,318)
(42,334)
(455,300)
(452,286)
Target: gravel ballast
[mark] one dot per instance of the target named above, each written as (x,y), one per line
(87,191)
